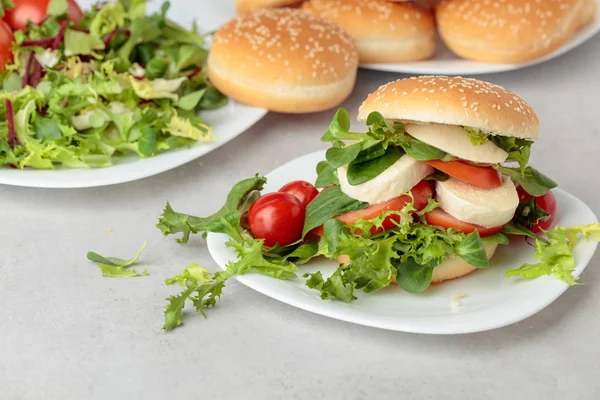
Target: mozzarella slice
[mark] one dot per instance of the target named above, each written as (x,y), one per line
(455,141)
(398,179)
(485,207)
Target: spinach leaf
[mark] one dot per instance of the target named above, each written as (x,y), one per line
(419,150)
(413,276)
(369,154)
(331,202)
(533,181)
(438,176)
(340,156)
(472,250)
(327,175)
(518,150)
(364,172)
(513,228)
(498,237)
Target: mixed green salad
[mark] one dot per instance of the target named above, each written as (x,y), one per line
(118,81)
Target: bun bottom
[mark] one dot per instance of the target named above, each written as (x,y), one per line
(453,267)
(479,50)
(280,96)
(383,51)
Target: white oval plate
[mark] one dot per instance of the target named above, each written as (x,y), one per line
(492,301)
(228,123)
(445,62)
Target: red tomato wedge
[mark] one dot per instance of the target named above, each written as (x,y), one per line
(6,41)
(439,217)
(420,192)
(483,177)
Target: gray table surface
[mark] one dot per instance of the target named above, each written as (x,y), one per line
(68,333)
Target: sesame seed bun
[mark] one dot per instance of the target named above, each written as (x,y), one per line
(384,32)
(285,60)
(451,268)
(510,31)
(454,101)
(246,6)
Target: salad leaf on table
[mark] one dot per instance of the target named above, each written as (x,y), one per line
(117,267)
(120,82)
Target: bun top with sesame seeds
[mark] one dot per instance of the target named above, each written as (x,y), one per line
(293,59)
(385,32)
(510,31)
(454,101)
(373,18)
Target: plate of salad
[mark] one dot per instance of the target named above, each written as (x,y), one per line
(105,96)
(424,222)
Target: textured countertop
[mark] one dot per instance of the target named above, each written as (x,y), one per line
(68,333)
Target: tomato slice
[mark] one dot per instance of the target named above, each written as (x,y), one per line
(483,177)
(420,192)
(439,217)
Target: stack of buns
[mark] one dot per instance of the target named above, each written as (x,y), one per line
(299,56)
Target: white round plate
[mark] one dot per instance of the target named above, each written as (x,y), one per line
(228,123)
(445,62)
(492,301)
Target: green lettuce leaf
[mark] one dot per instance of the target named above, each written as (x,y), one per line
(57,7)
(110,16)
(184,127)
(80,43)
(370,267)
(556,258)
(203,290)
(476,137)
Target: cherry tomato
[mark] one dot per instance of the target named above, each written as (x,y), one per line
(546,202)
(26,10)
(6,39)
(420,192)
(439,217)
(35,11)
(483,177)
(302,190)
(277,218)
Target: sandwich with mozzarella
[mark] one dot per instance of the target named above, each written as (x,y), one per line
(438,181)
(463,144)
